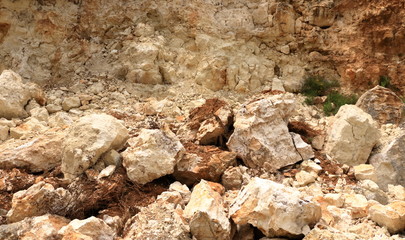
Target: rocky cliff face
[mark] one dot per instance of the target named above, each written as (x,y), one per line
(233,44)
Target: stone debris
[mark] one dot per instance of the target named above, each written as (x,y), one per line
(352,136)
(391,216)
(90,228)
(261,137)
(152,154)
(364,171)
(88,139)
(206,213)
(274,209)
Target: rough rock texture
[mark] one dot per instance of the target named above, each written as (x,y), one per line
(352,136)
(382,104)
(90,228)
(39,154)
(261,136)
(208,124)
(203,162)
(88,139)
(206,214)
(304,150)
(274,209)
(37,200)
(152,154)
(391,216)
(390,163)
(14,95)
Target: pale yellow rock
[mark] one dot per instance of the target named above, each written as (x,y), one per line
(357,204)
(364,171)
(311,166)
(28,129)
(304,178)
(396,192)
(391,216)
(4,132)
(335,199)
(90,228)
(70,102)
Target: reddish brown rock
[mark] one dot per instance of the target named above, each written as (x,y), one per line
(203,162)
(382,104)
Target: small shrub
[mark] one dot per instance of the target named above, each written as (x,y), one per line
(317,86)
(385,81)
(335,100)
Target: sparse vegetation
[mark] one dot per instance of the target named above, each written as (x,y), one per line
(316,86)
(385,81)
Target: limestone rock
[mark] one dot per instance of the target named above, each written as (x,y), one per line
(382,104)
(70,102)
(304,178)
(28,129)
(352,136)
(4,132)
(151,155)
(364,171)
(90,228)
(14,95)
(261,136)
(160,220)
(206,214)
(207,123)
(37,200)
(39,154)
(396,192)
(357,204)
(234,177)
(371,191)
(391,216)
(88,139)
(305,150)
(40,113)
(390,163)
(203,162)
(274,209)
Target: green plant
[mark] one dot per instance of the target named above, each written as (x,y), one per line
(335,100)
(317,86)
(385,81)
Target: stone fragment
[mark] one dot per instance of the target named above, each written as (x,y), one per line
(396,192)
(202,162)
(389,164)
(382,104)
(276,210)
(357,204)
(208,123)
(53,108)
(88,139)
(41,114)
(37,200)
(261,136)
(335,199)
(371,191)
(305,150)
(364,171)
(233,177)
(160,220)
(311,166)
(112,157)
(90,228)
(391,216)
(318,142)
(152,154)
(4,132)
(28,129)
(304,178)
(352,136)
(14,95)
(322,16)
(70,102)
(42,153)
(206,214)
(277,85)
(60,119)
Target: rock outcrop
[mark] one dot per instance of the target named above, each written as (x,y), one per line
(352,136)
(261,137)
(89,138)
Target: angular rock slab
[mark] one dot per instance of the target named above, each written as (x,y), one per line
(391,216)
(390,164)
(152,154)
(206,213)
(261,136)
(90,228)
(382,104)
(89,138)
(276,210)
(14,95)
(352,136)
(39,154)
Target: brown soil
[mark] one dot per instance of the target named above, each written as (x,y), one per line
(207,110)
(303,129)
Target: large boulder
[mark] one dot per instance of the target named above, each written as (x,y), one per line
(42,153)
(261,137)
(276,210)
(382,104)
(389,164)
(352,136)
(152,154)
(14,95)
(89,138)
(203,162)
(37,200)
(206,213)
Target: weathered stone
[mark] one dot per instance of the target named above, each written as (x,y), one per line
(70,102)
(364,171)
(14,95)
(322,16)
(207,123)
(39,154)
(28,129)
(311,166)
(371,191)
(382,104)
(357,204)
(4,132)
(37,200)
(390,163)
(391,216)
(151,155)
(90,228)
(112,157)
(206,213)
(233,177)
(304,178)
(274,209)
(53,108)
(88,139)
(202,162)
(60,119)
(352,136)
(261,136)
(396,192)
(305,150)
(41,114)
